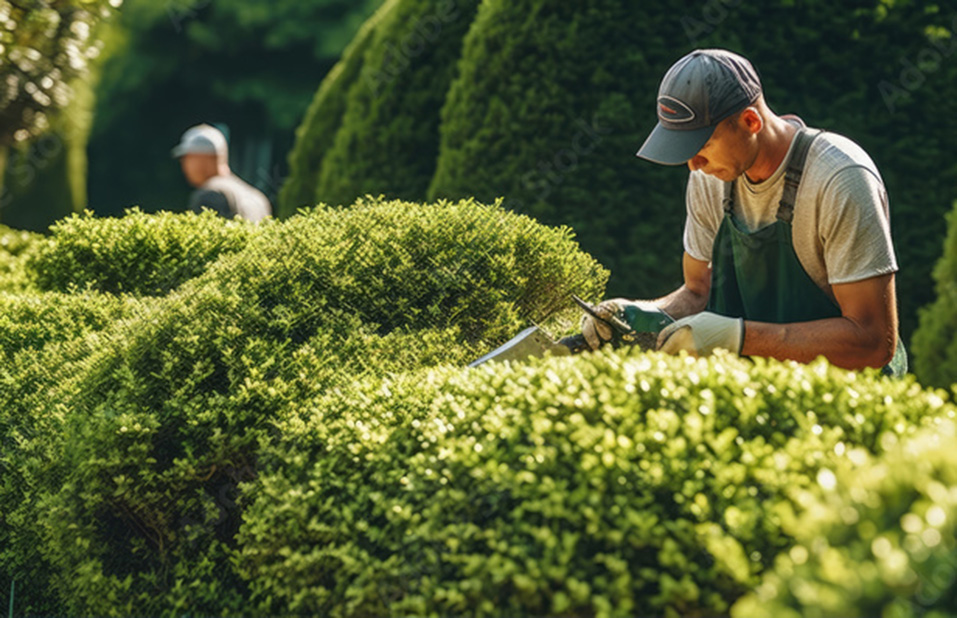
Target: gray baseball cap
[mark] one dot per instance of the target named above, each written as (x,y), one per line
(698,92)
(201,139)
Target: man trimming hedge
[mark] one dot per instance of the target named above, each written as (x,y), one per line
(788,250)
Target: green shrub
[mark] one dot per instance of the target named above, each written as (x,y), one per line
(611,484)
(31,321)
(935,341)
(555,133)
(397,98)
(15,248)
(880,541)
(316,135)
(135,501)
(142,254)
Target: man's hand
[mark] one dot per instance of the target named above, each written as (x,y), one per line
(642,316)
(702,333)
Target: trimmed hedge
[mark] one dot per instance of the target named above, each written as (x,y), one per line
(397,97)
(613,484)
(316,135)
(32,321)
(935,342)
(129,497)
(551,101)
(879,542)
(141,254)
(15,249)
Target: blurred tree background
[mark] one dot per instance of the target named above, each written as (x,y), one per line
(249,67)
(46,49)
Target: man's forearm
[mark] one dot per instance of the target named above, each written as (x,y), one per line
(682,302)
(843,342)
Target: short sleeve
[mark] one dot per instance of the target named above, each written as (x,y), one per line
(855,227)
(704,213)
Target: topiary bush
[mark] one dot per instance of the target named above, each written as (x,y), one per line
(316,135)
(621,483)
(133,493)
(880,541)
(397,97)
(935,341)
(141,254)
(31,321)
(15,248)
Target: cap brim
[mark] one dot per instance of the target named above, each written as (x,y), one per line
(178,151)
(672,147)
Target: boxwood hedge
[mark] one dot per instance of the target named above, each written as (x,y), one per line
(15,249)
(142,254)
(317,133)
(128,498)
(613,484)
(879,542)
(935,341)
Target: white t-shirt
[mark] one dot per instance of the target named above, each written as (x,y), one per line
(841,226)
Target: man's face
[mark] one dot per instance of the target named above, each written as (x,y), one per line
(198,168)
(730,152)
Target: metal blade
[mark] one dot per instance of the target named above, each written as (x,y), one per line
(531,342)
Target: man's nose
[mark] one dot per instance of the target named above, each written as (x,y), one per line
(696,162)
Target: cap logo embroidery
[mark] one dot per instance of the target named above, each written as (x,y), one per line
(673,110)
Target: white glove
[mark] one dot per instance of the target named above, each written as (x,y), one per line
(701,334)
(641,315)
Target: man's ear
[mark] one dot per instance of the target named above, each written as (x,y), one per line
(751,120)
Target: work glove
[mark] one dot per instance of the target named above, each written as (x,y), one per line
(702,334)
(641,315)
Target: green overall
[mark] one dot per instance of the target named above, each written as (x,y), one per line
(757,275)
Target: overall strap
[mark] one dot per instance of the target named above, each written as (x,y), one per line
(795,169)
(728,197)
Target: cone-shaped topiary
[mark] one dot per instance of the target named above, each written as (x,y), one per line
(551,101)
(316,135)
(935,341)
(396,101)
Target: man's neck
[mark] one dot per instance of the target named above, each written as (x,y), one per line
(773,145)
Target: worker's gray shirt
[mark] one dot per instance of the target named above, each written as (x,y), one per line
(231,197)
(841,227)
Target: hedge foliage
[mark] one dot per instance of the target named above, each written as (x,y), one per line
(551,99)
(879,542)
(316,135)
(123,476)
(30,321)
(397,97)
(612,485)
(935,341)
(141,254)
(15,249)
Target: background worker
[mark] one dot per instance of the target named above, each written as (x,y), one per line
(204,157)
(787,244)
